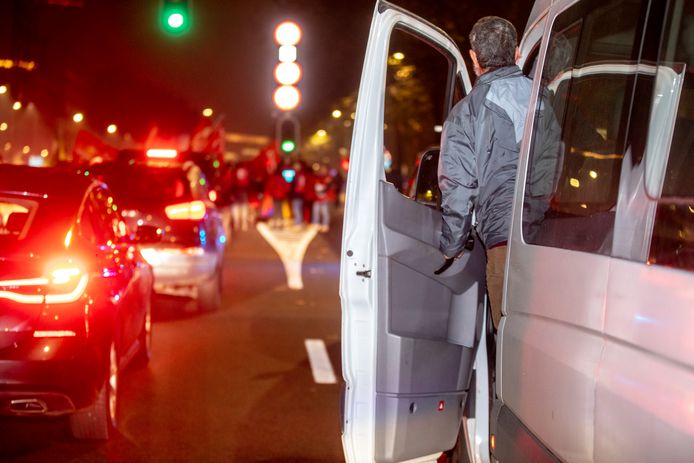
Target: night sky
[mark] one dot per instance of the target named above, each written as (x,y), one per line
(122,67)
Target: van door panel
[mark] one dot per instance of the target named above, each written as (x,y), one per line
(424,360)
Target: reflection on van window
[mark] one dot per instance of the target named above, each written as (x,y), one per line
(581,124)
(673,232)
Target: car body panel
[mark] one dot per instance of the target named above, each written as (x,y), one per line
(57,352)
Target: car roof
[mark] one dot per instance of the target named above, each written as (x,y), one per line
(51,181)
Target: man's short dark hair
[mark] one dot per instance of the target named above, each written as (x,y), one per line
(494,40)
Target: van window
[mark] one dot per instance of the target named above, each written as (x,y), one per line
(416,102)
(581,124)
(673,232)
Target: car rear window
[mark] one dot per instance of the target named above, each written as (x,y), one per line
(35,222)
(149,183)
(16,216)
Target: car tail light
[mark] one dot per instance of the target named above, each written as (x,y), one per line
(162,154)
(193,210)
(63,283)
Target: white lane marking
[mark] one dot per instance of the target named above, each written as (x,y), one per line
(321,367)
(290,244)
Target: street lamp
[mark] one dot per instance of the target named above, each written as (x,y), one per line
(17,106)
(3,89)
(112,128)
(207,112)
(78,117)
(337,114)
(286,97)
(287,73)
(287,33)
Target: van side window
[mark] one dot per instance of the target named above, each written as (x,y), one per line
(672,243)
(416,102)
(581,125)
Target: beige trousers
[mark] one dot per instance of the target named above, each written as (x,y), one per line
(496,264)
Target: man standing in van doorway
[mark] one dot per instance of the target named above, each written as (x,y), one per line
(479,151)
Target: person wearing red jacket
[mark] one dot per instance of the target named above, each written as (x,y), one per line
(278,189)
(323,195)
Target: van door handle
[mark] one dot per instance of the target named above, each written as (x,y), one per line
(364,273)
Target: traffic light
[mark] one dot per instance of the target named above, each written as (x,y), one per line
(288,134)
(175,15)
(288,146)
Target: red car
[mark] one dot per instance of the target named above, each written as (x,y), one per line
(75,298)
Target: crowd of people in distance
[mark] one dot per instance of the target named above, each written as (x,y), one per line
(294,194)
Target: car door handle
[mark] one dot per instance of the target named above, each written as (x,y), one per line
(364,273)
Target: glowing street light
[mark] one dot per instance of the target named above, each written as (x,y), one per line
(78,117)
(287,33)
(286,97)
(287,53)
(322,133)
(17,106)
(337,114)
(207,112)
(3,126)
(288,73)
(112,128)
(399,55)
(3,89)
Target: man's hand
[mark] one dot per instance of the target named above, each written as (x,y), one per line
(447,263)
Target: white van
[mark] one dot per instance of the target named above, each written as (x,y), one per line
(594,356)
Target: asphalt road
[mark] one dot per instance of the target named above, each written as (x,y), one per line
(230,386)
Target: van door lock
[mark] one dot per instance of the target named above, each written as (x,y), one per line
(364,273)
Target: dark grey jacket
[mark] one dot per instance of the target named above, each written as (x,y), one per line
(479,157)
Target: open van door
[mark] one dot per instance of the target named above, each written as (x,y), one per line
(408,335)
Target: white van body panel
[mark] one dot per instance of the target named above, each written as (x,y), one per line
(594,354)
(645,384)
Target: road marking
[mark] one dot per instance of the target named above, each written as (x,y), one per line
(321,367)
(290,244)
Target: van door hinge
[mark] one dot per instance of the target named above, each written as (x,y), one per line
(364,273)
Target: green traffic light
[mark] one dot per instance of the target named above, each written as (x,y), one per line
(288,146)
(175,19)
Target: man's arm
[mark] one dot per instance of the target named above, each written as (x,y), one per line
(457,181)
